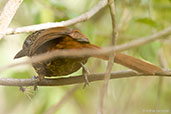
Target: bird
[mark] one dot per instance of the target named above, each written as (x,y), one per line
(60,38)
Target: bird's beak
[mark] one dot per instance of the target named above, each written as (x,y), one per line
(21,53)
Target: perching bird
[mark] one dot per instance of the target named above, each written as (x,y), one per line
(60,38)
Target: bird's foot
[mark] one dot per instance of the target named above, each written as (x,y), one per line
(85,73)
(38,78)
(22,88)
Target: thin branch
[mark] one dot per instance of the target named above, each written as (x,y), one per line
(73,21)
(111,58)
(56,53)
(114,28)
(125,18)
(105,84)
(87,52)
(75,79)
(162,60)
(144,40)
(163,64)
(7,15)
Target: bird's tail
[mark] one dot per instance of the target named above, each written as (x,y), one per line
(131,62)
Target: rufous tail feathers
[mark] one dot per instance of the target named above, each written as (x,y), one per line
(131,62)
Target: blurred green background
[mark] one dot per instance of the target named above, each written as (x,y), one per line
(135,19)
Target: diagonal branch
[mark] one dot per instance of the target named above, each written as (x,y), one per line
(7,15)
(75,20)
(144,40)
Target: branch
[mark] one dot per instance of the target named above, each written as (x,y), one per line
(7,15)
(111,58)
(144,40)
(87,52)
(162,59)
(75,79)
(73,21)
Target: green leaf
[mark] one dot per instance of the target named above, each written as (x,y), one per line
(46,15)
(147,21)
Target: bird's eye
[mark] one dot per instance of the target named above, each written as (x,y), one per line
(27,43)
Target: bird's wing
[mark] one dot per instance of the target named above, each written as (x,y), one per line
(53,33)
(47,35)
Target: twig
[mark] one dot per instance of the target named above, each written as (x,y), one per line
(163,64)
(105,84)
(87,52)
(162,60)
(111,58)
(78,19)
(7,15)
(125,18)
(57,53)
(144,40)
(114,28)
(53,109)
(75,79)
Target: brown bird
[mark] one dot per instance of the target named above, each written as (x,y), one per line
(65,38)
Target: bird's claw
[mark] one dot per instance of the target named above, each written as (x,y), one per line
(85,73)
(22,88)
(35,85)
